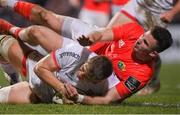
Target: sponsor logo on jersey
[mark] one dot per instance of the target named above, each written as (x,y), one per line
(132,84)
(121,66)
(72,54)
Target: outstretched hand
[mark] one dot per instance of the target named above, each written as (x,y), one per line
(84,41)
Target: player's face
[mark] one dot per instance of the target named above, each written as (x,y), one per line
(145,44)
(83,70)
(83,73)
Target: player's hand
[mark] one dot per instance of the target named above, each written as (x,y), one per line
(84,41)
(72,93)
(61,97)
(167,16)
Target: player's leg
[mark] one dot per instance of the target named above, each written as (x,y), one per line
(33,35)
(35,13)
(64,25)
(19,93)
(13,51)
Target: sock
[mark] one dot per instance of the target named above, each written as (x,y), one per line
(24,8)
(5,26)
(15,31)
(8,28)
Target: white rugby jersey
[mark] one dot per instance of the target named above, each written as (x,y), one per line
(157,6)
(69,59)
(147,12)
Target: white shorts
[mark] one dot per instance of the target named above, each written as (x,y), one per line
(100,19)
(38,48)
(146,18)
(75,28)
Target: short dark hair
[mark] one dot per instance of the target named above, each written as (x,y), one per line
(163,36)
(100,67)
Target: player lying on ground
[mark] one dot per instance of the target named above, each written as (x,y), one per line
(136,50)
(81,68)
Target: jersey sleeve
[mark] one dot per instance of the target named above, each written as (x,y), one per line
(129,86)
(127,31)
(134,83)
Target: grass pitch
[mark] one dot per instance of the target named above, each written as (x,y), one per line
(167,100)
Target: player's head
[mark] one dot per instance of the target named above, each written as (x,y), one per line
(152,42)
(96,69)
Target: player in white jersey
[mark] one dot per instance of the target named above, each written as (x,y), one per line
(81,68)
(147,12)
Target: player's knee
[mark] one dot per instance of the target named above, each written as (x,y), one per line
(5,42)
(4,94)
(34,32)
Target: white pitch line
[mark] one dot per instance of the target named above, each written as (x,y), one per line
(160,104)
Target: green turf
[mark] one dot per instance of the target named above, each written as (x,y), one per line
(167,100)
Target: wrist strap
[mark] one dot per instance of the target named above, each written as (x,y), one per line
(80,98)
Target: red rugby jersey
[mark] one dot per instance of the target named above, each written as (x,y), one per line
(133,75)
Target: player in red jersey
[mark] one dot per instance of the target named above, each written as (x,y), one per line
(131,52)
(148,14)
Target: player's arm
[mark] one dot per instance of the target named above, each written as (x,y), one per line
(105,34)
(121,91)
(44,70)
(169,15)
(111,34)
(111,96)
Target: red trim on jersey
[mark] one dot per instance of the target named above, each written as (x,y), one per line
(54,58)
(24,69)
(129,15)
(24,8)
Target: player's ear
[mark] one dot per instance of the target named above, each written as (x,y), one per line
(153,54)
